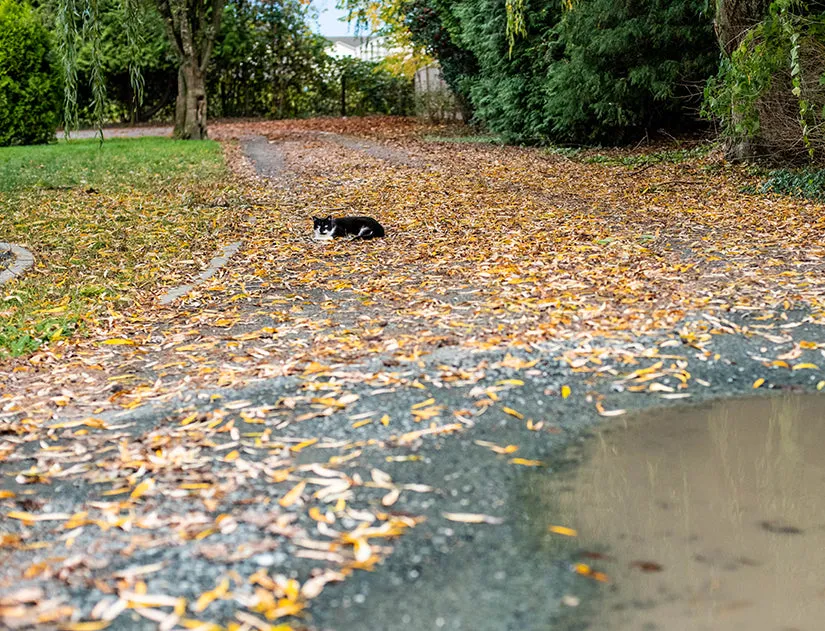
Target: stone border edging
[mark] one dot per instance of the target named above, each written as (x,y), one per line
(23,260)
(214,265)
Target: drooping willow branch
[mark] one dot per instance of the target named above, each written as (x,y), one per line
(133,22)
(78,21)
(516,25)
(68,17)
(92,33)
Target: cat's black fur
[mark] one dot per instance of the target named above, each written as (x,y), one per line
(355,227)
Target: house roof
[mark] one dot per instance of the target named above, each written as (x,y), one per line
(353,42)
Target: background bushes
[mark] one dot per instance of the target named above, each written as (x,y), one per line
(29,86)
(593,71)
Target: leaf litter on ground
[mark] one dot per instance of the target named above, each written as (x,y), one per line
(488,247)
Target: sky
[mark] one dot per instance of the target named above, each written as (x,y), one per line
(328,23)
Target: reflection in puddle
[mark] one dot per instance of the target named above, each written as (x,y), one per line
(704,518)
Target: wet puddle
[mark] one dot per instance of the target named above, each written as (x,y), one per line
(700,518)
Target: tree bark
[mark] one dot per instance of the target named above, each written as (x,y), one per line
(190,109)
(191,26)
(734,18)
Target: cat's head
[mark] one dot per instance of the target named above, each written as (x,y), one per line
(322,227)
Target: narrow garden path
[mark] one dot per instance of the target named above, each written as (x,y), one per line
(338,435)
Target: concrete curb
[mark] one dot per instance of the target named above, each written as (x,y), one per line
(23,260)
(214,265)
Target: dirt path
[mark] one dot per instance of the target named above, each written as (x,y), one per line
(255,451)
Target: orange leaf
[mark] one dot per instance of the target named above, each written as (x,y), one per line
(293,494)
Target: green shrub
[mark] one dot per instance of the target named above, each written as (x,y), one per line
(629,67)
(29,88)
(585,71)
(769,93)
(808,184)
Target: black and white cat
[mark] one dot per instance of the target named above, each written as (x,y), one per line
(355,227)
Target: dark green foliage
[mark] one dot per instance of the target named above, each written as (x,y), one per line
(154,57)
(601,71)
(804,183)
(370,89)
(29,86)
(628,67)
(268,62)
(645,158)
(20,340)
(509,95)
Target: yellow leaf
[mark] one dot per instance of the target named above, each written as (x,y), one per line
(361,549)
(303,445)
(385,420)
(317,515)
(586,570)
(423,404)
(526,463)
(6,494)
(208,597)
(90,625)
(119,341)
(565,392)
(191,623)
(314,368)
(758,382)
(820,385)
(496,448)
(563,530)
(512,412)
(804,366)
(189,419)
(293,494)
(232,455)
(142,488)
(22,516)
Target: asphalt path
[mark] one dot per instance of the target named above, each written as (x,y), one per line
(446,572)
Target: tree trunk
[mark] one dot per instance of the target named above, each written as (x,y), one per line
(190,109)
(191,26)
(734,18)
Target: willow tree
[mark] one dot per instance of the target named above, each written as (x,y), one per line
(191,26)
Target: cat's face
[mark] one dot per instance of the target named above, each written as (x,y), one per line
(322,228)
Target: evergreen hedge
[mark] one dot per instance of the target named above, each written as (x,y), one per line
(580,72)
(29,85)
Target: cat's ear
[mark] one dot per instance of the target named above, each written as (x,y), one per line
(329,218)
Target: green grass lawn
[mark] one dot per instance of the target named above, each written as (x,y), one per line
(106,224)
(116,164)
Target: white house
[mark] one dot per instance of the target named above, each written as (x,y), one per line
(363,48)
